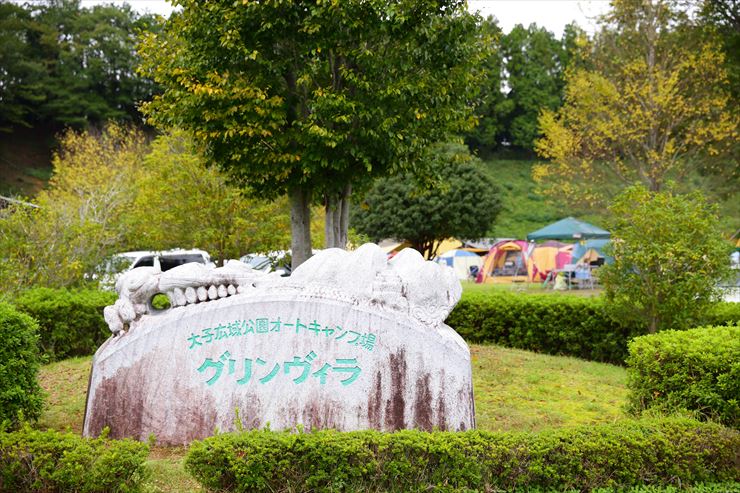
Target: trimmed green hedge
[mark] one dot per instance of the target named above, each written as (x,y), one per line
(650,452)
(71,320)
(561,325)
(19,366)
(32,460)
(697,369)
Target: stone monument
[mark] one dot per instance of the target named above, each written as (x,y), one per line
(350,341)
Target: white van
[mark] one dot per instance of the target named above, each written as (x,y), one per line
(165,260)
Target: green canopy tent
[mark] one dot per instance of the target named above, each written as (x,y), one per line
(569,229)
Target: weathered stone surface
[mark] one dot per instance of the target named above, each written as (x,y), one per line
(349,341)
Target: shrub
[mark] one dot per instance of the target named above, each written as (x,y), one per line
(655,452)
(697,369)
(19,364)
(723,313)
(560,325)
(668,254)
(32,460)
(71,321)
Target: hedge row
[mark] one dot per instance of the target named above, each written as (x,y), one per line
(32,460)
(71,320)
(650,452)
(561,325)
(19,364)
(696,369)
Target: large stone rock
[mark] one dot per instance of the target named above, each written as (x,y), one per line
(350,341)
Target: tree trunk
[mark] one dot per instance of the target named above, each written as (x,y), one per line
(300,226)
(337,219)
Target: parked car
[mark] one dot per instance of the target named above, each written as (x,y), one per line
(119,263)
(278,261)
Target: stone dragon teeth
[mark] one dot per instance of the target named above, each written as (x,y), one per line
(408,284)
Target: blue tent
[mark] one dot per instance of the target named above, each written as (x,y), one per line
(569,229)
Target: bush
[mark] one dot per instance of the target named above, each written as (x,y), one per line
(19,364)
(669,253)
(723,313)
(71,321)
(32,460)
(560,325)
(697,369)
(657,452)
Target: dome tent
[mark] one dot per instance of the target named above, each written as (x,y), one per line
(461,261)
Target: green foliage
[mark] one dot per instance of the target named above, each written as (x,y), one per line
(652,106)
(325,92)
(70,320)
(315,99)
(697,369)
(199,206)
(560,325)
(113,192)
(32,460)
(67,65)
(78,222)
(535,64)
(669,255)
(464,203)
(657,452)
(531,63)
(490,107)
(19,365)
(21,74)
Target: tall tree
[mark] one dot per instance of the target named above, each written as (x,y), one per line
(64,65)
(534,65)
(91,61)
(654,108)
(21,72)
(314,99)
(489,107)
(463,203)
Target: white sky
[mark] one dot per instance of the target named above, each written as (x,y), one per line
(552,14)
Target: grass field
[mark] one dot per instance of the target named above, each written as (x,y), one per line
(514,390)
(526,288)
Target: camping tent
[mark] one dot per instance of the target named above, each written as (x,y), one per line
(506,262)
(461,261)
(591,251)
(547,257)
(569,229)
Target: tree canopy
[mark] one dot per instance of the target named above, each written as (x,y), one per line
(313,99)
(113,192)
(64,65)
(654,107)
(463,203)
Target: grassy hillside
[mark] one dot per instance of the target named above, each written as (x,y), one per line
(524,210)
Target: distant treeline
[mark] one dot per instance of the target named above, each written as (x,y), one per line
(63,65)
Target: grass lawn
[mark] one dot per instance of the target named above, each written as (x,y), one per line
(526,288)
(514,390)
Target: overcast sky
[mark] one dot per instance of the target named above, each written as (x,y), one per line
(553,14)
